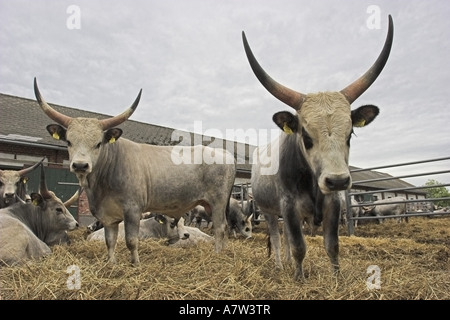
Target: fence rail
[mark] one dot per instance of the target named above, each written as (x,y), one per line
(408,213)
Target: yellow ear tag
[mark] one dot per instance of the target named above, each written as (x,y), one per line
(360,123)
(160,221)
(35,202)
(55,136)
(112,140)
(286,129)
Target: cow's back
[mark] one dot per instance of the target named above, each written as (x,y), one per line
(388,209)
(17,242)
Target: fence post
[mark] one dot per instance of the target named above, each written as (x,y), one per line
(348,214)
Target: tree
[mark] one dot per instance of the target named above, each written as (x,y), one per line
(438,192)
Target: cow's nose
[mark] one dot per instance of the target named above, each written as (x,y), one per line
(337,184)
(186,236)
(80,166)
(9,195)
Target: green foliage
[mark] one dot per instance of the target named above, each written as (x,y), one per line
(437,192)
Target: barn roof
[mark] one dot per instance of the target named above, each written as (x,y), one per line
(27,113)
(386,181)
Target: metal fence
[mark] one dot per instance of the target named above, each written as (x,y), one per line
(409,213)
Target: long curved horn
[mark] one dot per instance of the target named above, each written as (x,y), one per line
(115,121)
(74,198)
(354,90)
(43,190)
(292,98)
(29,169)
(51,113)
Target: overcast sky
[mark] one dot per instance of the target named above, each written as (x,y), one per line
(188,57)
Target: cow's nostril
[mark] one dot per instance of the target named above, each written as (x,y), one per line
(186,235)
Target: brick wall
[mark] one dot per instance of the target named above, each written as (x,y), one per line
(55,157)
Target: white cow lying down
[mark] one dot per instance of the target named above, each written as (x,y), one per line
(160,226)
(195,236)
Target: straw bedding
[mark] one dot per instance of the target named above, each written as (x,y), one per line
(413,261)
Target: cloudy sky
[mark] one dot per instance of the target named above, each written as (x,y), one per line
(188,57)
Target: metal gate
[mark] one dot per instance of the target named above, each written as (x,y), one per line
(409,213)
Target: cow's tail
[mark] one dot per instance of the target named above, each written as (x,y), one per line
(269,246)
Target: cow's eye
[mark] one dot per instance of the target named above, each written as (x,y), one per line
(69,144)
(307,141)
(98,145)
(59,210)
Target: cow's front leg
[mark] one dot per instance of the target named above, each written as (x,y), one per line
(274,237)
(131,225)
(111,232)
(331,209)
(293,228)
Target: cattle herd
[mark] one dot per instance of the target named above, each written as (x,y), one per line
(123,179)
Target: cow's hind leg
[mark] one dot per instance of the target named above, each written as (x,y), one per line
(131,225)
(219,222)
(111,232)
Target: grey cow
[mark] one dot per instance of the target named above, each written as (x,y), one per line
(298,174)
(122,178)
(382,208)
(12,184)
(28,229)
(237,220)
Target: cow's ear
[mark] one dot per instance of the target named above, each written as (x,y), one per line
(160,218)
(37,199)
(111,135)
(286,121)
(364,115)
(57,132)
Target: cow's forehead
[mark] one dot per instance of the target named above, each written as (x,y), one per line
(326,111)
(9,176)
(86,127)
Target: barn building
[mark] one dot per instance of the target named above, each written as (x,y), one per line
(24,141)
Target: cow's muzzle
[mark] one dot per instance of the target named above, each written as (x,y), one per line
(82,167)
(337,184)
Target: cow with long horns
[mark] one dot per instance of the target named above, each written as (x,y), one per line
(312,159)
(12,185)
(122,178)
